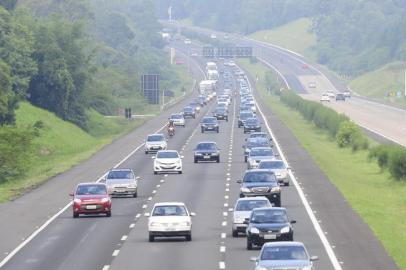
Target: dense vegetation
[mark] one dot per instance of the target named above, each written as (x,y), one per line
(74,59)
(354,36)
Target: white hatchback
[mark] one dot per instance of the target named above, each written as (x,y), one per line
(170,219)
(167,161)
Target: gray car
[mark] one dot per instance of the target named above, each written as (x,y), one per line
(257,154)
(284,255)
(121,182)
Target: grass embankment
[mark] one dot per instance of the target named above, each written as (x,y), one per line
(61,145)
(295,36)
(378,83)
(379,200)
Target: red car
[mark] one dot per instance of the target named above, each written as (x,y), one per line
(91,198)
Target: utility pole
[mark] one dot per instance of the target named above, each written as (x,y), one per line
(163,99)
(405,82)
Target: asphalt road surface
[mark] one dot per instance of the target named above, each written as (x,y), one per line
(209,189)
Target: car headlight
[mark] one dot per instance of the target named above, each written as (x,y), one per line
(261,268)
(285,229)
(254,230)
(184,223)
(198,154)
(154,224)
(104,200)
(306,268)
(132,185)
(276,189)
(238,219)
(245,190)
(76,200)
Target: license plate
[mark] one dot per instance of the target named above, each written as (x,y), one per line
(206,157)
(90,207)
(169,229)
(269,236)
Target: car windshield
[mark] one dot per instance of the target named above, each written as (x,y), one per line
(252,121)
(167,154)
(169,210)
(188,109)
(277,164)
(250,205)
(91,190)
(258,135)
(269,216)
(206,146)
(245,115)
(250,177)
(176,116)
(261,152)
(220,110)
(284,253)
(209,120)
(257,143)
(120,175)
(155,138)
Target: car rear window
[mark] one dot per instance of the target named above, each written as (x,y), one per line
(167,155)
(259,177)
(155,138)
(284,253)
(206,146)
(271,165)
(169,210)
(120,175)
(261,152)
(250,205)
(91,190)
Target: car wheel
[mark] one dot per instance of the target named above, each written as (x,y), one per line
(235,233)
(218,160)
(218,130)
(135,195)
(180,172)
(245,159)
(75,215)
(108,214)
(195,160)
(287,184)
(278,203)
(155,172)
(202,130)
(146,152)
(189,237)
(151,238)
(249,244)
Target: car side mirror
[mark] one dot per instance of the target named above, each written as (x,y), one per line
(289,168)
(314,258)
(276,155)
(147,214)
(153,157)
(137,178)
(254,259)
(192,214)
(182,157)
(71,194)
(246,221)
(103,180)
(239,181)
(292,221)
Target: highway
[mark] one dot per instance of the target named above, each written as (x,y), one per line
(326,223)
(383,120)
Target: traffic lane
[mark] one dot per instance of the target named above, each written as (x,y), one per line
(59,234)
(18,219)
(237,254)
(354,243)
(201,188)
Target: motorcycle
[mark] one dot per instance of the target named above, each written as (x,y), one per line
(171,131)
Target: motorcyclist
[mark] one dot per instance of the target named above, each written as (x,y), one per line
(171,128)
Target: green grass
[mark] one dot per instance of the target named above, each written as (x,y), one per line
(377,84)
(294,36)
(379,200)
(61,145)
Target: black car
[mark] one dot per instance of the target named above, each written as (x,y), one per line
(259,182)
(221,113)
(189,111)
(201,100)
(209,123)
(252,124)
(268,224)
(243,117)
(206,151)
(254,142)
(340,96)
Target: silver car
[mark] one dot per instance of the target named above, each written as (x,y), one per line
(284,255)
(155,142)
(122,182)
(257,154)
(278,167)
(242,211)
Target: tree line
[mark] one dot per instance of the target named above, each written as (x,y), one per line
(354,36)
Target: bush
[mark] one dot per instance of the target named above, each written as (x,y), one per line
(397,163)
(16,150)
(381,154)
(350,135)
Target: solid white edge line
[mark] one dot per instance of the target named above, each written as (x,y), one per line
(106,267)
(316,225)
(49,221)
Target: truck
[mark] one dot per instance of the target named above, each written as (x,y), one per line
(212,75)
(211,66)
(207,86)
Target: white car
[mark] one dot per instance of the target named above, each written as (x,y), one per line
(242,211)
(331,94)
(257,154)
(167,161)
(278,167)
(187,41)
(154,143)
(177,119)
(312,85)
(347,94)
(170,219)
(122,182)
(325,98)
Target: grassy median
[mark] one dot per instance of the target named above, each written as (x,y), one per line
(378,199)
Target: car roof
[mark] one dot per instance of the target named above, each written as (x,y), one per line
(207,142)
(272,160)
(209,117)
(155,134)
(169,203)
(160,151)
(261,148)
(257,198)
(270,208)
(258,133)
(121,170)
(91,183)
(259,170)
(285,244)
